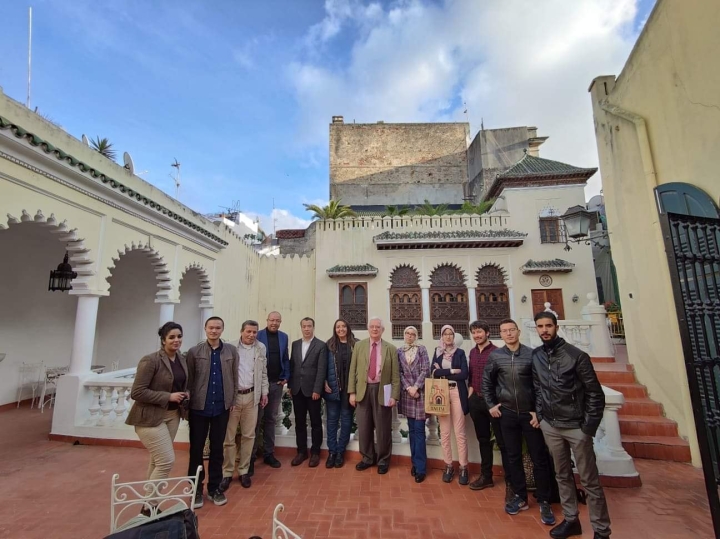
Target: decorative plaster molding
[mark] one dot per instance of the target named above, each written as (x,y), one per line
(79,254)
(162,273)
(206,291)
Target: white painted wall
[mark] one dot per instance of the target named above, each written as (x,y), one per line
(187,312)
(35,325)
(128,319)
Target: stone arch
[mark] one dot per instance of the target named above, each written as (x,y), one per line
(206,289)
(162,273)
(79,253)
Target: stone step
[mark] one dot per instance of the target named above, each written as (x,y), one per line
(657,448)
(630,390)
(597,360)
(643,425)
(608,377)
(641,407)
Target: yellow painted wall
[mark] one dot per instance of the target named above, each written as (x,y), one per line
(672,81)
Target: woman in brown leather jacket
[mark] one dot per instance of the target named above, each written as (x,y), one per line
(159,389)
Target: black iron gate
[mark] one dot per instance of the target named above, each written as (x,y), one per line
(693,248)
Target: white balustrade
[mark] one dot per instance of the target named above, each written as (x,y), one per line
(110,400)
(432,425)
(396,436)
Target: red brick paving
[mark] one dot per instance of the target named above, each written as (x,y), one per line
(57,490)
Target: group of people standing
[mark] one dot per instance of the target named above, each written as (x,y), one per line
(549,397)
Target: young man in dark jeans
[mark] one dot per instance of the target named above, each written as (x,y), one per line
(570,402)
(508,390)
(482,420)
(212,384)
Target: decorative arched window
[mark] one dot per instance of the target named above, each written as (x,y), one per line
(405,301)
(448,300)
(353,304)
(492,297)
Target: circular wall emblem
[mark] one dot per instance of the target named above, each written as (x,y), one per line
(545,280)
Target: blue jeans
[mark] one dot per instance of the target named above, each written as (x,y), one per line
(418,451)
(338,411)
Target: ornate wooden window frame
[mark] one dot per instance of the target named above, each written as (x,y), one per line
(405,298)
(356,313)
(492,296)
(448,300)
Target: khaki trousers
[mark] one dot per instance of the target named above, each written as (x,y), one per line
(455,421)
(159,442)
(245,414)
(559,442)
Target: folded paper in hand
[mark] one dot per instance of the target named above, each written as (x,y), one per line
(387,393)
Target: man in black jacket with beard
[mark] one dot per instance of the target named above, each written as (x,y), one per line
(569,401)
(507,387)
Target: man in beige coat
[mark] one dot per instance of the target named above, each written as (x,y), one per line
(252,390)
(374,365)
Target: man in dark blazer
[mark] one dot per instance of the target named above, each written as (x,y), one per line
(308,369)
(278,371)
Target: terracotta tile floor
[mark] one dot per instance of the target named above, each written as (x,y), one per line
(57,490)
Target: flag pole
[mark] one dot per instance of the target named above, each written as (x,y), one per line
(27,103)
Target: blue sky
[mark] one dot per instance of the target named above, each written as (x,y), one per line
(242,92)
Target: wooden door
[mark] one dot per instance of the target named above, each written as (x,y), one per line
(548,295)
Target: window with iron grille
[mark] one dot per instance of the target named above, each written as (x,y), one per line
(353,304)
(405,301)
(492,297)
(551,230)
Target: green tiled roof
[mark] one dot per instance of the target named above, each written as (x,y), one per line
(34,140)
(531,166)
(558,264)
(455,235)
(358,269)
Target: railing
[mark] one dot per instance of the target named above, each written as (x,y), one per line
(616,325)
(110,401)
(451,222)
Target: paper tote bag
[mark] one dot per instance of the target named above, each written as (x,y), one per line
(437,396)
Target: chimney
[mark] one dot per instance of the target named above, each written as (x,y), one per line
(337,120)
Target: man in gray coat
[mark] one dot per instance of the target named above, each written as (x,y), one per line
(252,390)
(308,370)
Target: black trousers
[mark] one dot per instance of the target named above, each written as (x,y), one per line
(482,420)
(303,405)
(514,428)
(199,427)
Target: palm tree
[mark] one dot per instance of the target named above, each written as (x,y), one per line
(333,210)
(396,211)
(103,147)
(477,209)
(430,210)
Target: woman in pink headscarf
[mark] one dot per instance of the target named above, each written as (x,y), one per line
(450,362)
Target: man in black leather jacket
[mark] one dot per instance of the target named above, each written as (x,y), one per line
(508,390)
(569,403)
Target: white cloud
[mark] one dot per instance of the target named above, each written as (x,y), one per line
(279,220)
(519,62)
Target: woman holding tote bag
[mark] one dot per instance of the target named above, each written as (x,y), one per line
(414,368)
(450,362)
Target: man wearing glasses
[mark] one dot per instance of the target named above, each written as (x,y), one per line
(508,390)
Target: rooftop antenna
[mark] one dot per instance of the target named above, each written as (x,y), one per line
(27,103)
(176,178)
(274,218)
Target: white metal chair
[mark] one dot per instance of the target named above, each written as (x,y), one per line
(30,379)
(154,495)
(47,395)
(280,530)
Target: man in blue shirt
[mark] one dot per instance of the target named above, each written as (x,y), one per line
(212,384)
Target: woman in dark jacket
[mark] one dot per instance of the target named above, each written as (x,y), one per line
(337,405)
(450,362)
(159,388)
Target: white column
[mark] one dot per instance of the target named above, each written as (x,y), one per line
(205,313)
(472,301)
(432,425)
(167,312)
(426,322)
(84,336)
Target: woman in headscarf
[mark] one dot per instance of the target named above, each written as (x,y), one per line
(450,362)
(337,404)
(414,368)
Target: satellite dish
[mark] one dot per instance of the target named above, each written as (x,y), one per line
(85,140)
(128,163)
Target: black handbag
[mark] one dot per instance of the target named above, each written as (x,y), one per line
(179,525)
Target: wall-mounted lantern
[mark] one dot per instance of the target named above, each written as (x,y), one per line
(61,277)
